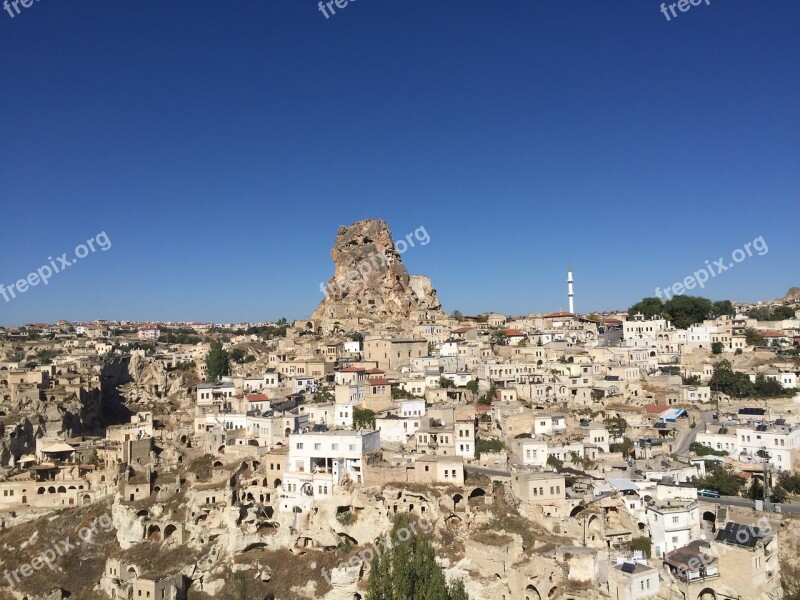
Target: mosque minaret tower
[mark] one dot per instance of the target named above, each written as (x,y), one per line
(569,289)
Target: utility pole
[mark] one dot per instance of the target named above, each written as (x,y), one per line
(767,503)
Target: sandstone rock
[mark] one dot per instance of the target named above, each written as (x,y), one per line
(793,295)
(370,282)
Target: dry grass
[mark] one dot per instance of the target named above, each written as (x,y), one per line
(78,569)
(491,538)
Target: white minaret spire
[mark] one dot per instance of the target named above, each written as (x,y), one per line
(569,289)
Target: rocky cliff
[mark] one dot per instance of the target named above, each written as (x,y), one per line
(370,283)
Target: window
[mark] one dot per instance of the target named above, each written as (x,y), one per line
(317,446)
(674,519)
(299,445)
(334,446)
(352,448)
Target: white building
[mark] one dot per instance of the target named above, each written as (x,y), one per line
(633,581)
(148,334)
(465,438)
(673,524)
(549,424)
(343,415)
(751,442)
(412,408)
(215,394)
(318,462)
(396,429)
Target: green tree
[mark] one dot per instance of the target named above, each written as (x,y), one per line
(363,417)
(236,355)
(625,447)
(217,361)
(457,590)
(720,480)
(791,482)
(723,307)
(456,314)
(444,382)
(472,386)
(760,313)
(555,462)
(730,382)
(767,388)
(240,585)
(489,397)
(407,569)
(643,544)
(717,347)
(753,337)
(399,393)
(649,307)
(685,311)
(616,426)
(756,491)
(499,338)
(779,494)
(488,446)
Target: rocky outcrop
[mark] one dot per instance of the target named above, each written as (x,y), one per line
(793,295)
(371,284)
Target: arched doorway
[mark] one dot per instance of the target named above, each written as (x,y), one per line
(154,533)
(531,593)
(710,520)
(477,496)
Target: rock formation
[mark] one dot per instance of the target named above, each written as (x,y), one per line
(793,295)
(370,284)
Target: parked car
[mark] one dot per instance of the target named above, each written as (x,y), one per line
(708,493)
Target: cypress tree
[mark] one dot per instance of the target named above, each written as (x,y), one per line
(407,569)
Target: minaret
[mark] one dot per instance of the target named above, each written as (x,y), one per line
(569,289)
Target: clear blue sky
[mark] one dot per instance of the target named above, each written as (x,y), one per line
(220,144)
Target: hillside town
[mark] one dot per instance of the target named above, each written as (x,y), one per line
(650,452)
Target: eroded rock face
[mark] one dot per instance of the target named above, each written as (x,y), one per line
(370,281)
(793,295)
